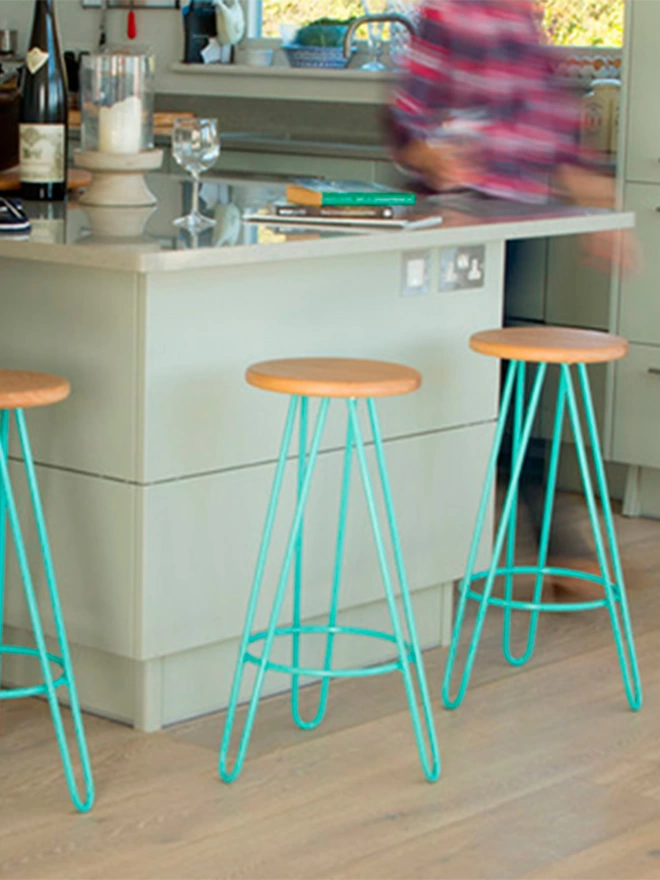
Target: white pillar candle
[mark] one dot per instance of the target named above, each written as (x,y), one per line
(120,127)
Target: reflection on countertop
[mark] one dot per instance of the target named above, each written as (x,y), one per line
(144,239)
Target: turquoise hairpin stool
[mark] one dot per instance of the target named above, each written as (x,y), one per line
(351,381)
(20,391)
(570,350)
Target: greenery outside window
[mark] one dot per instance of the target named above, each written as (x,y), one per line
(594,23)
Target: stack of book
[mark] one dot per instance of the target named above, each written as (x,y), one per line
(340,203)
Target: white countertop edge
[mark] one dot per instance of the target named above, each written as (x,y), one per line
(184,260)
(349,85)
(344,73)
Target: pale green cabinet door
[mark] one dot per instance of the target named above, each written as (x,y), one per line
(577,295)
(639,307)
(643,123)
(636,438)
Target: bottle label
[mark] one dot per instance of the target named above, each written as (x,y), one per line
(36,58)
(42,155)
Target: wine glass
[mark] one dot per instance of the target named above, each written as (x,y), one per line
(195,147)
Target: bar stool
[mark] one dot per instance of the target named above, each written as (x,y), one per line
(567,348)
(351,381)
(19,391)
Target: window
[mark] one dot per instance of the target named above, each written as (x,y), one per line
(299,12)
(584,22)
(568,22)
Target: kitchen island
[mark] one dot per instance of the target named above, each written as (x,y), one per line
(155,474)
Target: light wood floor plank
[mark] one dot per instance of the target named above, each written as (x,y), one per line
(546,774)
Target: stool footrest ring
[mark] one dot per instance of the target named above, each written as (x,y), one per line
(378,669)
(558,607)
(36,689)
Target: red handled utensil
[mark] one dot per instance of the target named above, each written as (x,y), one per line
(131,26)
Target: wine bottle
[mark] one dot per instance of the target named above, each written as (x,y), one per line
(43,111)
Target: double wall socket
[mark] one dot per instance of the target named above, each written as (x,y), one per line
(462,268)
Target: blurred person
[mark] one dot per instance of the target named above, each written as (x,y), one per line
(479,107)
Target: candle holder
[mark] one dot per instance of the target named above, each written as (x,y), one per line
(117,128)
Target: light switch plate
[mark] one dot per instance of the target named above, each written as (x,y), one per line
(415,273)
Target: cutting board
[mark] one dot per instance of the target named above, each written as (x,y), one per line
(76,179)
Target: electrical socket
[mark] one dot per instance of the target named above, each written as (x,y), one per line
(462,268)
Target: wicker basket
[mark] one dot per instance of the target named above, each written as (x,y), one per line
(316,56)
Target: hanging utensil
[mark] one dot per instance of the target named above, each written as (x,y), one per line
(131,27)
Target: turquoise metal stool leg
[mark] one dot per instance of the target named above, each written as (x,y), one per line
(615,590)
(408,651)
(518,411)
(427,744)
(297,568)
(484,599)
(82,802)
(226,774)
(334,599)
(4,446)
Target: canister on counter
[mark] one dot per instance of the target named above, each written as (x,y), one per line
(600,116)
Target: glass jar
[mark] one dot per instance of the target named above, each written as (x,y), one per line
(117,113)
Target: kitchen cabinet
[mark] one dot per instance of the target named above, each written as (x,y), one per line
(634,392)
(641,77)
(637,405)
(577,295)
(639,299)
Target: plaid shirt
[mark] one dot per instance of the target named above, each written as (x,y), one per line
(483,64)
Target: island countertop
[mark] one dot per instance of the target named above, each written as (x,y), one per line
(144,240)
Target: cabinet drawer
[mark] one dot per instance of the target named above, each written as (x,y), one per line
(643,137)
(639,309)
(636,438)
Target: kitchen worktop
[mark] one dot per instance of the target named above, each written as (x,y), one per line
(144,240)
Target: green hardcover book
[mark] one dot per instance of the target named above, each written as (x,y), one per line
(319,193)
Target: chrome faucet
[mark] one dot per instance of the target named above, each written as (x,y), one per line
(395,17)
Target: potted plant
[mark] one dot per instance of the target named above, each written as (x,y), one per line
(319,44)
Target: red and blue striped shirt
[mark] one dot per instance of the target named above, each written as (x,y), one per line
(481,69)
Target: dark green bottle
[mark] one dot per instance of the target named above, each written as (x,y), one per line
(43,111)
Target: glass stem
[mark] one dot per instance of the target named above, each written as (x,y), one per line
(195,193)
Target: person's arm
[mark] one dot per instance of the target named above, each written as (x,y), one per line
(422,99)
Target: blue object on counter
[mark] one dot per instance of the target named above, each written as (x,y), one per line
(12,216)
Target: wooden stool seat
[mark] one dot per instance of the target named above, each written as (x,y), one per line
(334,377)
(21,389)
(550,345)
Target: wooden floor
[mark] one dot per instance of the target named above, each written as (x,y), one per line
(546,774)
